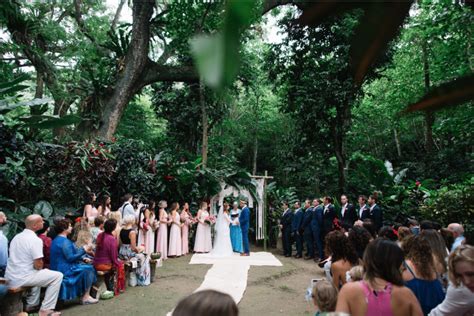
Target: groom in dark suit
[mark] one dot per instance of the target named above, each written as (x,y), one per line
(244,219)
(285,224)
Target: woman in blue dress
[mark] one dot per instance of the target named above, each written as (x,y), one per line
(68,259)
(235,231)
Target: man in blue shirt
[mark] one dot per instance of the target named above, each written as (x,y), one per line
(458,232)
(3,246)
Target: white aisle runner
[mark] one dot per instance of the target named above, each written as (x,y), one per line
(229,274)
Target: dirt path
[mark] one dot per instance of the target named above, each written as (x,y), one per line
(270,290)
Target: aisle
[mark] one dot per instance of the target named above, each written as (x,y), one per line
(229,274)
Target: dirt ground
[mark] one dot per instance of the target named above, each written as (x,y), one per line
(270,290)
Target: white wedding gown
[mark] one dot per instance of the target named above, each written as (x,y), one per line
(222,243)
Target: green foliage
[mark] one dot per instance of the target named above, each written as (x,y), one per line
(451,204)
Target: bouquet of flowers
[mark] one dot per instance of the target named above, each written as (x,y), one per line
(211,219)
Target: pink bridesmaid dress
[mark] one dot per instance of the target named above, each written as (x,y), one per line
(185,218)
(203,241)
(162,240)
(175,248)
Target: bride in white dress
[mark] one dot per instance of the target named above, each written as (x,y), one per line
(222,243)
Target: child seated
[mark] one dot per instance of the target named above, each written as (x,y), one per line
(324,297)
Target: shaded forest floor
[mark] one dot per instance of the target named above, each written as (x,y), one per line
(270,290)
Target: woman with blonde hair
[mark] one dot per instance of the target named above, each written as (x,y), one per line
(203,242)
(460,295)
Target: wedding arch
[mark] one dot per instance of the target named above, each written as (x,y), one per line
(256,201)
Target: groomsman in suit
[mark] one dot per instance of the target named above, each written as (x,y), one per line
(348,213)
(307,230)
(286,229)
(329,214)
(376,214)
(364,211)
(296,228)
(244,220)
(316,226)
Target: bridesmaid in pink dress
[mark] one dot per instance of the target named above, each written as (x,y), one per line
(162,240)
(203,241)
(147,226)
(175,248)
(186,219)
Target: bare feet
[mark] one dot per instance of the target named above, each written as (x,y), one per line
(49,312)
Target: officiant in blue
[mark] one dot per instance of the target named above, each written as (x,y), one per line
(235,230)
(244,219)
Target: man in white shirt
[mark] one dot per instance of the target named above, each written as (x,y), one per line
(25,267)
(127,208)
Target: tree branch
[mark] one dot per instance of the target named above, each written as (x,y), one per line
(268,5)
(80,21)
(117,14)
(155,72)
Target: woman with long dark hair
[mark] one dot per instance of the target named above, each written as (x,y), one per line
(343,257)
(90,211)
(105,205)
(382,291)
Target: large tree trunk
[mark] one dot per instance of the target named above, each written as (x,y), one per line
(134,64)
(339,128)
(429,115)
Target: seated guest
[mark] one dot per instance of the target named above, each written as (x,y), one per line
(460,295)
(448,237)
(369,225)
(98,228)
(68,259)
(359,237)
(414,226)
(128,239)
(207,303)
(382,291)
(3,246)
(129,250)
(420,273)
(43,235)
(458,234)
(106,255)
(403,232)
(388,232)
(324,297)
(343,257)
(440,254)
(355,274)
(25,268)
(117,216)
